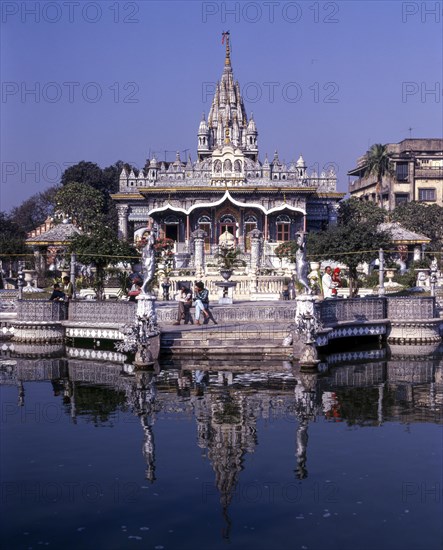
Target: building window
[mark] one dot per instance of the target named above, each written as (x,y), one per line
(283,228)
(402,171)
(401,198)
(283,232)
(426,195)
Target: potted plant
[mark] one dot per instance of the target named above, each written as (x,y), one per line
(228,259)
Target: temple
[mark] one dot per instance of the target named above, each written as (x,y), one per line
(227,189)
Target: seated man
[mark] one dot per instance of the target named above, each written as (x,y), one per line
(184,299)
(57,295)
(202,304)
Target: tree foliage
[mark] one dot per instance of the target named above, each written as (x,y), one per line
(229,258)
(354,210)
(82,203)
(85,172)
(354,240)
(349,244)
(105,180)
(12,238)
(378,163)
(426,219)
(34,211)
(287,250)
(102,248)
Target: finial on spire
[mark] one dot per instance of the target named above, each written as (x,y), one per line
(225,38)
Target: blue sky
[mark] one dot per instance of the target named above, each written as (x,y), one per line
(115,80)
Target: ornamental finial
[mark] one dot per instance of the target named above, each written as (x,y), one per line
(225,38)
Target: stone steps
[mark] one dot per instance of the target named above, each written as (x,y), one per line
(253,339)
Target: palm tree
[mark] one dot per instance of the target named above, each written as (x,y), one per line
(228,259)
(378,164)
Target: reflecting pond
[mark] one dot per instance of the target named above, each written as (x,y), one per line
(238,454)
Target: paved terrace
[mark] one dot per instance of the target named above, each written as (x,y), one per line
(244,328)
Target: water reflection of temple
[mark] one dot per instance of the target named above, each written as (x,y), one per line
(227,402)
(226,422)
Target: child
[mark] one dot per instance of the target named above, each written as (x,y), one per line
(336,280)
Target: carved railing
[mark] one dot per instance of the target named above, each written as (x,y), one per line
(353,309)
(399,308)
(119,313)
(41,310)
(8,299)
(265,284)
(405,307)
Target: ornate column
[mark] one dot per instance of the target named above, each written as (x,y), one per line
(122,210)
(40,263)
(72,273)
(255,237)
(256,240)
(188,232)
(199,251)
(381,273)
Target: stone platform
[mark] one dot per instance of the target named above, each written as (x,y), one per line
(243,328)
(258,339)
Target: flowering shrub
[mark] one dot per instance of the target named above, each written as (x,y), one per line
(287,250)
(141,243)
(164,256)
(164,245)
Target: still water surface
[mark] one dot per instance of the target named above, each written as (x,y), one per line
(228,455)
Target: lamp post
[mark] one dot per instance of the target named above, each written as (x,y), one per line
(20,281)
(72,274)
(433,277)
(381,273)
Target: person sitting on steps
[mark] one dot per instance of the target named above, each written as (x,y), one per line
(184,299)
(202,304)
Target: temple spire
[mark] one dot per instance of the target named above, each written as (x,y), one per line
(225,39)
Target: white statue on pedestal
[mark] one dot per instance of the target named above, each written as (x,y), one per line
(148,259)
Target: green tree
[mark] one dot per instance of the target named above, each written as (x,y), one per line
(34,211)
(102,248)
(111,176)
(426,219)
(378,164)
(348,244)
(85,172)
(354,210)
(287,250)
(229,258)
(105,180)
(12,239)
(83,204)
(354,240)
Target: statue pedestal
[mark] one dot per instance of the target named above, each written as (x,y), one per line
(304,306)
(306,324)
(148,334)
(146,306)
(226,292)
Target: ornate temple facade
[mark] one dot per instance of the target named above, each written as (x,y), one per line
(227,189)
